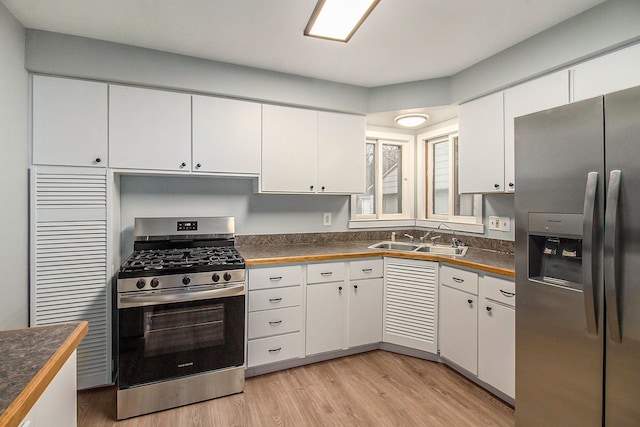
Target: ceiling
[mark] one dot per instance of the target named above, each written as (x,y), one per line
(401,41)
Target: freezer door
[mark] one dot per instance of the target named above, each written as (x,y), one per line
(622,259)
(559,356)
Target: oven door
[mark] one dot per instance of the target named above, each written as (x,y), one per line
(168,335)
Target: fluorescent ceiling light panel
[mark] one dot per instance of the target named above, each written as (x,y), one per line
(338,19)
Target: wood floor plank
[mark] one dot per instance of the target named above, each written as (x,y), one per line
(377,388)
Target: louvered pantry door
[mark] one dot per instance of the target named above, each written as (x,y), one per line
(411,303)
(69,261)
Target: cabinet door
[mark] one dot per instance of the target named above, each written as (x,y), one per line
(69,122)
(537,95)
(149,129)
(459,328)
(226,135)
(326,306)
(481,145)
(496,346)
(341,144)
(289,141)
(365,311)
(606,74)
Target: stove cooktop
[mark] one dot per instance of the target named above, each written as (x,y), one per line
(150,262)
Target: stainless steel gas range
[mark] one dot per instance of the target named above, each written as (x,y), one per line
(180,315)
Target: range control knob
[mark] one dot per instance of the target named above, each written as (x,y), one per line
(215,277)
(227,276)
(155,283)
(186,280)
(140,283)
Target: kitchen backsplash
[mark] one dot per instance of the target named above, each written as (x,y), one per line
(504,246)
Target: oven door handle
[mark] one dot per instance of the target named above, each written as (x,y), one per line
(155,298)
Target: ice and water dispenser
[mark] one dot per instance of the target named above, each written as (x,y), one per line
(555,249)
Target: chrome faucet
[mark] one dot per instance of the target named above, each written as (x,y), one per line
(455,242)
(410,237)
(434,238)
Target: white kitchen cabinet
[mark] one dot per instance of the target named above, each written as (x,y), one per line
(535,95)
(275,328)
(496,334)
(459,328)
(481,145)
(365,311)
(305,151)
(341,144)
(69,122)
(608,73)
(327,307)
(226,136)
(149,129)
(289,141)
(411,303)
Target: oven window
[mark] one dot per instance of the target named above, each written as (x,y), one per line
(168,341)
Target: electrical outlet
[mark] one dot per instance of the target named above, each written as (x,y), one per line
(326,218)
(505,223)
(494,223)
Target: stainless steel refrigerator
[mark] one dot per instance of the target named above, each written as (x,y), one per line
(578,263)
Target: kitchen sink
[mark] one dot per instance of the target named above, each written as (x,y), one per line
(422,248)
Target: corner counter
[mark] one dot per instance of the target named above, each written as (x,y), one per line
(31,359)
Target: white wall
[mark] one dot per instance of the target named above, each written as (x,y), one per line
(151,196)
(14,118)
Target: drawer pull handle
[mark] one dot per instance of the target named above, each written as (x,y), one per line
(367,270)
(275,300)
(326,273)
(275,350)
(458,280)
(275,322)
(276,278)
(507,294)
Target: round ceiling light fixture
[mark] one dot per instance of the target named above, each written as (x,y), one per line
(411,120)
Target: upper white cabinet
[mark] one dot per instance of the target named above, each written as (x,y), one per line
(486,131)
(226,135)
(481,145)
(341,144)
(69,122)
(536,95)
(305,151)
(608,73)
(149,129)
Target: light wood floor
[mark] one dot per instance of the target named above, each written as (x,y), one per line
(369,389)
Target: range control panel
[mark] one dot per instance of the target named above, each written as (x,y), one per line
(187,226)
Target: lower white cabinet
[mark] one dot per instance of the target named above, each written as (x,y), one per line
(365,311)
(497,334)
(326,316)
(459,328)
(411,303)
(275,318)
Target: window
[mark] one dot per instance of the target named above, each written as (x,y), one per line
(443,203)
(388,179)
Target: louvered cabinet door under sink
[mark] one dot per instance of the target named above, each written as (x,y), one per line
(69,261)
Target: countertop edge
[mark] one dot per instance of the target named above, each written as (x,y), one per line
(372,254)
(20,407)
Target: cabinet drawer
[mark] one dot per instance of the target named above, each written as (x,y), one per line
(275,349)
(365,269)
(500,290)
(326,272)
(463,280)
(267,299)
(272,277)
(273,322)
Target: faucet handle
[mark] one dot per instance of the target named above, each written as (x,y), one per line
(410,237)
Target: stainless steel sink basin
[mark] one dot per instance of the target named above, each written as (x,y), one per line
(395,246)
(443,250)
(421,247)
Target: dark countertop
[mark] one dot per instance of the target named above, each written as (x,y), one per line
(31,358)
(477,259)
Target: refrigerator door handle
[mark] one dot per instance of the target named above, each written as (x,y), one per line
(610,286)
(588,275)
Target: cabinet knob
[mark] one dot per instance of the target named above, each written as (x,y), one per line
(355,286)
(198,165)
(183,164)
(98,159)
(323,188)
(496,185)
(470,301)
(488,309)
(511,185)
(339,288)
(311,187)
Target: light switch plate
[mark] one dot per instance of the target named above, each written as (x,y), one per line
(494,223)
(326,218)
